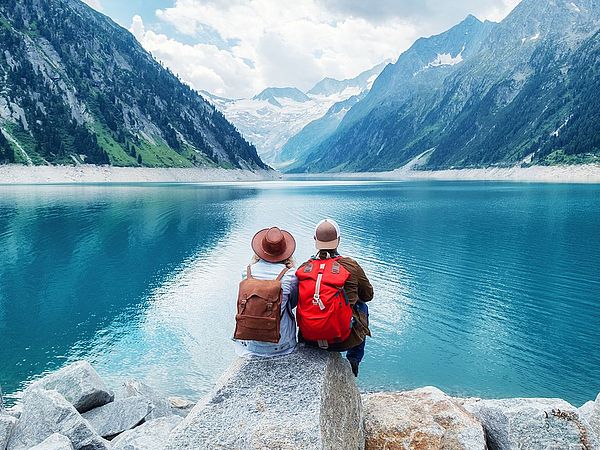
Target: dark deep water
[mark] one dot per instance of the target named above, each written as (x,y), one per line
(484,289)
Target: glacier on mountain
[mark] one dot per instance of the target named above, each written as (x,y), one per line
(272,117)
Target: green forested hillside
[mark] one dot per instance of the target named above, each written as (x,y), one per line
(76,87)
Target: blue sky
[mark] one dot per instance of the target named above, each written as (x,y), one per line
(236,48)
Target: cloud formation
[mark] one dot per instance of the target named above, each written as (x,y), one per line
(261,43)
(432,14)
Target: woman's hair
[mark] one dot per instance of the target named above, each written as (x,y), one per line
(289,263)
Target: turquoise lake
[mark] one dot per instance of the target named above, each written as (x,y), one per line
(481,289)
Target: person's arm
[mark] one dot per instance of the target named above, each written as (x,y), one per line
(365,289)
(293,299)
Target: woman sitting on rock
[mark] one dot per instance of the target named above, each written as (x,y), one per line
(265,323)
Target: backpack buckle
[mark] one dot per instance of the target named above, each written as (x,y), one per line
(317,301)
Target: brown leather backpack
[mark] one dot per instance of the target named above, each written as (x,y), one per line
(258,315)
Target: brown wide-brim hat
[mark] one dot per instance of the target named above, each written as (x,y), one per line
(273,245)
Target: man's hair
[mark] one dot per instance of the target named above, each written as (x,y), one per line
(326,253)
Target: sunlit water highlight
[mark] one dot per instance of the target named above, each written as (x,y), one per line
(486,289)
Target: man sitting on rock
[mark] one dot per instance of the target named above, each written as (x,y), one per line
(332,313)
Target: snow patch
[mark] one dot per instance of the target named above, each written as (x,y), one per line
(445,59)
(535,37)
(573,7)
(371,80)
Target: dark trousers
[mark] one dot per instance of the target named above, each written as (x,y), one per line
(356,354)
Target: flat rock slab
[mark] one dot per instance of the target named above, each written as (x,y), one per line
(532,424)
(46,413)
(7,425)
(306,400)
(118,416)
(423,419)
(79,383)
(152,435)
(54,442)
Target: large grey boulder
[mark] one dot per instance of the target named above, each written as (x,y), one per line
(48,412)
(79,383)
(152,435)
(159,404)
(591,413)
(306,400)
(424,418)
(7,425)
(532,424)
(118,416)
(55,442)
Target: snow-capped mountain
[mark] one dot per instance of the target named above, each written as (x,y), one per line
(272,117)
(522,91)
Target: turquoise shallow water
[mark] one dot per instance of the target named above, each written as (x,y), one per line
(485,289)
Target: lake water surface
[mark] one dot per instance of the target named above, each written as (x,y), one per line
(483,289)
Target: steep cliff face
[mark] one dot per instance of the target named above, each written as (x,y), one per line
(481,94)
(299,146)
(76,87)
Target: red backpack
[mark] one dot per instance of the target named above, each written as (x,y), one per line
(324,314)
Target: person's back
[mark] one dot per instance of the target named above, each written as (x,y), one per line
(356,288)
(261,269)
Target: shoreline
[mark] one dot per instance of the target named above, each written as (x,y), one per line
(11,174)
(20,174)
(585,173)
(74,405)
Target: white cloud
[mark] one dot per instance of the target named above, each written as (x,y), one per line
(500,10)
(96,4)
(298,44)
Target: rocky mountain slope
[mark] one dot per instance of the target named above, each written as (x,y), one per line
(317,131)
(77,88)
(518,92)
(272,117)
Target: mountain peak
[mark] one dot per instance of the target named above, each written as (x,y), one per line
(362,82)
(471,18)
(273,94)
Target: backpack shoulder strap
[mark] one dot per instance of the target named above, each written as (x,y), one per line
(282,273)
(248,272)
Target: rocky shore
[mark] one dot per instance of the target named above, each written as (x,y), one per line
(307,400)
(584,173)
(89,173)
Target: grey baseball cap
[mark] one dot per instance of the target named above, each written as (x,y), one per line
(327,235)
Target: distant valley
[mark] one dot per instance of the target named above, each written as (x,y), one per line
(271,118)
